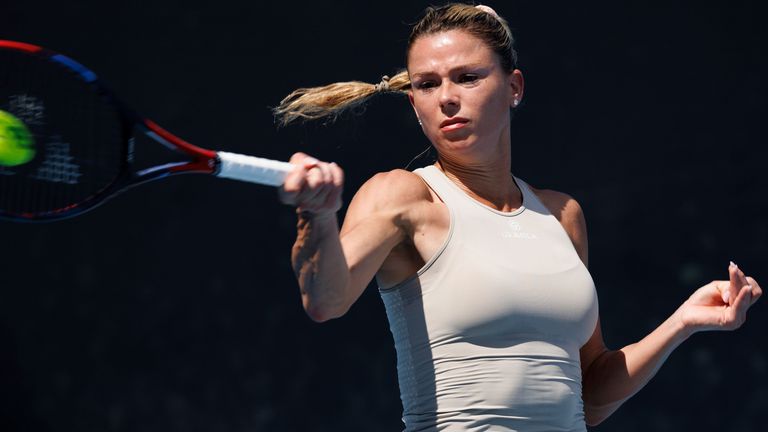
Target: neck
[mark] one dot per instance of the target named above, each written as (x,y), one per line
(488,181)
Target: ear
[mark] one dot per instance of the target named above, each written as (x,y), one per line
(410,99)
(516,87)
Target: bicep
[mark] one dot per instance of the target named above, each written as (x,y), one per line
(373,226)
(591,355)
(366,243)
(593,349)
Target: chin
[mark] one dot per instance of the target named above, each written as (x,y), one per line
(463,144)
(459,136)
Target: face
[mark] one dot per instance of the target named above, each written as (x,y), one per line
(460,92)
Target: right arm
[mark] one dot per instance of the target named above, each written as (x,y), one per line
(334,266)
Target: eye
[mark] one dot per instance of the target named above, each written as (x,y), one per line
(468,78)
(426,85)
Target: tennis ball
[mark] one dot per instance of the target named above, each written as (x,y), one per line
(17,146)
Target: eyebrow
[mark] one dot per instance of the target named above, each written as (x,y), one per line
(453,69)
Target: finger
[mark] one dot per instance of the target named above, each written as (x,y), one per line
(325,170)
(317,189)
(293,184)
(315,177)
(302,159)
(756,290)
(300,188)
(338,174)
(325,196)
(722,287)
(742,278)
(740,306)
(333,199)
(730,294)
(297,158)
(335,187)
(296,177)
(328,176)
(313,188)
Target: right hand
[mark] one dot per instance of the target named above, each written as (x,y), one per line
(313,186)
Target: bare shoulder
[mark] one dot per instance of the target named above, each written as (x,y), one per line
(563,206)
(394,187)
(570,214)
(389,195)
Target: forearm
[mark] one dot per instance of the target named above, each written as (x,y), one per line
(615,376)
(320,266)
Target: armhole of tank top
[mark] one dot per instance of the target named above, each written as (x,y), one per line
(533,199)
(440,250)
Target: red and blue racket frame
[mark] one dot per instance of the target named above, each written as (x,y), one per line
(130,124)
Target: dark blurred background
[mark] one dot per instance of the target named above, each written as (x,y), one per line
(174,308)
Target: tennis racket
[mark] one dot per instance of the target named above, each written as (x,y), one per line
(67,143)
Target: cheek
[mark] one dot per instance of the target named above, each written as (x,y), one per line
(496,109)
(425,107)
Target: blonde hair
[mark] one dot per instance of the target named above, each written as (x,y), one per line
(331,100)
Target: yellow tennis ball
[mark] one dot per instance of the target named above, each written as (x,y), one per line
(17,146)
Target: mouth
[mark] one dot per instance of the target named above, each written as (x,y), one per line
(453,123)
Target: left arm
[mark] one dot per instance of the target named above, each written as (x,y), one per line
(610,377)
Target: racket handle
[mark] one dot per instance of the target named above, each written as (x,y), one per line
(252,169)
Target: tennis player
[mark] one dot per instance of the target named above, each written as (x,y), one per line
(484,277)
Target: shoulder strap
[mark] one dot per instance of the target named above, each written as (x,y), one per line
(437,181)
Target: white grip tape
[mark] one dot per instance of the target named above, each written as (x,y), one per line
(252,169)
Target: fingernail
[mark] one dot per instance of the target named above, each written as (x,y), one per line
(726,296)
(733,264)
(748,287)
(311,161)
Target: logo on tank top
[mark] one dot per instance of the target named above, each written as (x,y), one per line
(516,232)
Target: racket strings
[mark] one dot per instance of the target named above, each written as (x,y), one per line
(76,133)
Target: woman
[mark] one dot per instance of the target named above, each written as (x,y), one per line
(484,278)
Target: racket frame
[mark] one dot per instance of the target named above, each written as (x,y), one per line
(201,160)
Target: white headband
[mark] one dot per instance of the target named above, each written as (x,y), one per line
(487,9)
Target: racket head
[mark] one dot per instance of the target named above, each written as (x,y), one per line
(78,139)
(66,142)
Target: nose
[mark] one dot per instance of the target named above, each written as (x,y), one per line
(449,99)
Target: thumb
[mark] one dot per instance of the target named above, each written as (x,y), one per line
(303,160)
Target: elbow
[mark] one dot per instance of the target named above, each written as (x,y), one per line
(592,418)
(596,414)
(321,314)
(326,302)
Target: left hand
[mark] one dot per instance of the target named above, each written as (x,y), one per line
(720,305)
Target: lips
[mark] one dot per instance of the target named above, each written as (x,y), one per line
(453,123)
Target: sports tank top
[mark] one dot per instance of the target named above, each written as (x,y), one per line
(488,331)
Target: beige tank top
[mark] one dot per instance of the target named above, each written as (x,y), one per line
(488,332)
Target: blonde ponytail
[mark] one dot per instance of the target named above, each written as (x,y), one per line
(331,100)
